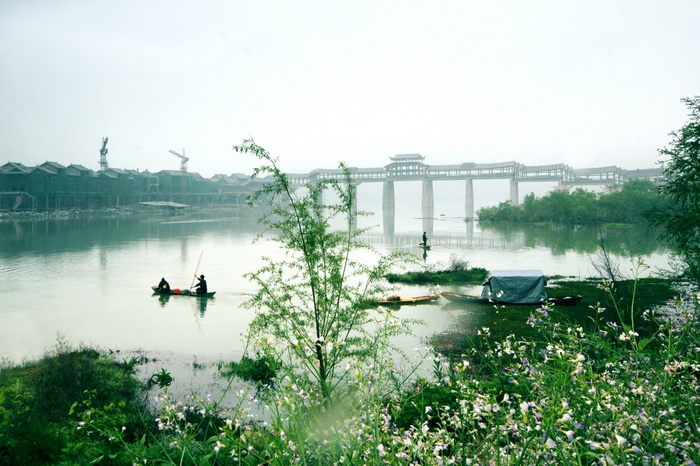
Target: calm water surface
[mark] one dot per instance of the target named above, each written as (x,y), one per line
(87,280)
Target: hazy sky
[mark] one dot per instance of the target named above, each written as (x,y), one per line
(587,83)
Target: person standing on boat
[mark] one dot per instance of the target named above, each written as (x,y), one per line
(164,286)
(425,239)
(201,285)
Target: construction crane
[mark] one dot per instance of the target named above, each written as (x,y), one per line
(103,154)
(183,162)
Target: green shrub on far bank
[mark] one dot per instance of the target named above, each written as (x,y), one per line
(458,271)
(621,204)
(474,275)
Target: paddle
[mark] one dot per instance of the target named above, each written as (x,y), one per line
(195,270)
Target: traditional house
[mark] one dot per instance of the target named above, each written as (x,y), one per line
(14,178)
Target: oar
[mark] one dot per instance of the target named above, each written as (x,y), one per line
(197,269)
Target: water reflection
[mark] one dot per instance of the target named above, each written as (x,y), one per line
(69,234)
(47,236)
(202,305)
(623,240)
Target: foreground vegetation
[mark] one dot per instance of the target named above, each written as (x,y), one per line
(622,390)
(310,306)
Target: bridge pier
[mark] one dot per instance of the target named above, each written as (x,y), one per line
(514,197)
(470,230)
(388,208)
(428,207)
(469,199)
(353,207)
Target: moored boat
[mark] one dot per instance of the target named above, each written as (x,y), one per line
(396,300)
(565,300)
(179,292)
(465,298)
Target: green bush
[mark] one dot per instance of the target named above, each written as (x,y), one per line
(423,399)
(261,369)
(473,275)
(38,401)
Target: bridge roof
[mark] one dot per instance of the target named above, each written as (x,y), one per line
(555,166)
(407,158)
(496,165)
(367,170)
(645,171)
(325,170)
(584,171)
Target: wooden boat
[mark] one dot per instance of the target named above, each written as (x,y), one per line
(396,300)
(424,246)
(465,298)
(565,300)
(179,292)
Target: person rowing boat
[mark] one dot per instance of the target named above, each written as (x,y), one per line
(201,287)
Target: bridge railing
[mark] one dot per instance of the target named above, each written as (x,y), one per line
(502,170)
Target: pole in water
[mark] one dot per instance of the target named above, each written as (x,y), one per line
(195,270)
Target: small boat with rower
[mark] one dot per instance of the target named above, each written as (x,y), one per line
(179,292)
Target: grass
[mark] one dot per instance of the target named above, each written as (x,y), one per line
(505,319)
(442,277)
(37,398)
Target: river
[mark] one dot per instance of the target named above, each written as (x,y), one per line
(86,279)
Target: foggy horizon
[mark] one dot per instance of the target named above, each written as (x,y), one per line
(586,84)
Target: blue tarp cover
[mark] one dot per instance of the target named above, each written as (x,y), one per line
(515,286)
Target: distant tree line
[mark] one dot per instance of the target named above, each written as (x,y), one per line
(626,204)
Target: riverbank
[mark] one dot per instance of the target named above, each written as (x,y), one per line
(645,293)
(70,213)
(135,209)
